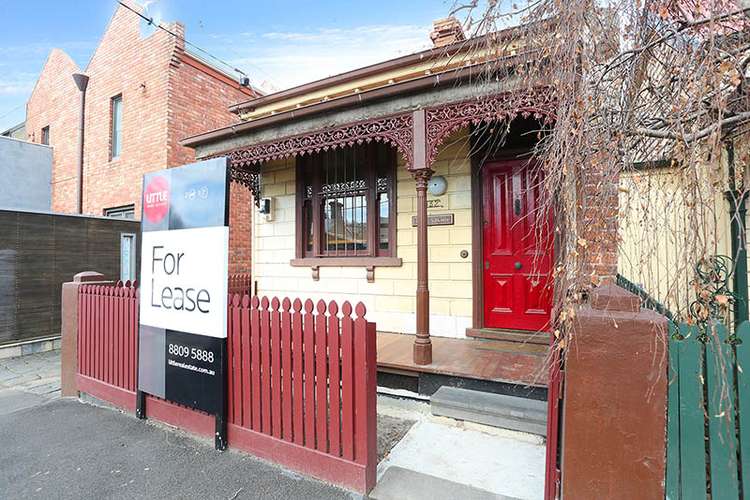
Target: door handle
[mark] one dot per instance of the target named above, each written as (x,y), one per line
(486,264)
(518,266)
(517,206)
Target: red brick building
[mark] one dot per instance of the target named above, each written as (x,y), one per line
(145,93)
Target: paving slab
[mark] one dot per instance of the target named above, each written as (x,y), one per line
(36,373)
(7,377)
(398,483)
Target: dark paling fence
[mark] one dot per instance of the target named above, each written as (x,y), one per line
(39,252)
(708,426)
(301,379)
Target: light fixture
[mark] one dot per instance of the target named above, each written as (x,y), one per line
(437,186)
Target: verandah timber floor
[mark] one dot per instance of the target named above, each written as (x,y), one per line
(497,361)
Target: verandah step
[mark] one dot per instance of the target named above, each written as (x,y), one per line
(497,410)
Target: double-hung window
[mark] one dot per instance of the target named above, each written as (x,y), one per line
(346,203)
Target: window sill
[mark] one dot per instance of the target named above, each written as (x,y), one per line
(370,263)
(346,262)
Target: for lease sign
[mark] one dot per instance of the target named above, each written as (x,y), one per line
(184,280)
(183,285)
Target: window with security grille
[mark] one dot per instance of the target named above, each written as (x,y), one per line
(346,202)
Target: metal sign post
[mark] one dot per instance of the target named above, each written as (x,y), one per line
(182,340)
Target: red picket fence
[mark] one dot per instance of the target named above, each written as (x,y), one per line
(107,349)
(301,380)
(302,386)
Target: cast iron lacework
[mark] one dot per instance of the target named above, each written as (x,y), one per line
(343,188)
(714,300)
(444,120)
(248,177)
(393,130)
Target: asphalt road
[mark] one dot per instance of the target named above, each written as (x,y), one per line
(70,450)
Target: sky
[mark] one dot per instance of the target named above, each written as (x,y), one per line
(279,43)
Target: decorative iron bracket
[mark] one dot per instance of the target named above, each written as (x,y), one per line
(443,120)
(250,178)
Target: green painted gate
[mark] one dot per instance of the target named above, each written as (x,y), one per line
(708,433)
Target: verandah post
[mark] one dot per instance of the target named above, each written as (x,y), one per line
(422,175)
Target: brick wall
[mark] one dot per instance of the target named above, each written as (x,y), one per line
(55,103)
(198,101)
(167,95)
(137,68)
(598,229)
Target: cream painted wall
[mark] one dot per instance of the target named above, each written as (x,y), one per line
(657,251)
(390,300)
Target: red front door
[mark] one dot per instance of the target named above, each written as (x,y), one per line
(516,270)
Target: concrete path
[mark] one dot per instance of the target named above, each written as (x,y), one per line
(481,462)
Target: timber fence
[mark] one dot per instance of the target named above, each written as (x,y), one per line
(301,378)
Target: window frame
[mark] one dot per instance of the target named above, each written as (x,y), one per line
(131,240)
(115,134)
(370,155)
(45,135)
(115,212)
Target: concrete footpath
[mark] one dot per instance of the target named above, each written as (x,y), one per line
(66,449)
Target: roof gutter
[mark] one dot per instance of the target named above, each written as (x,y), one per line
(364,72)
(340,102)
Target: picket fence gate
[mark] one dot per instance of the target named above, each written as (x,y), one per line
(301,379)
(708,415)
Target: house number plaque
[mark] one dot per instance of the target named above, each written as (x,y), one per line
(435,220)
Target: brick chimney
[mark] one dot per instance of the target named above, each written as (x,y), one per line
(446,31)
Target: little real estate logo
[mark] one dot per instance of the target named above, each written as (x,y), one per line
(183,297)
(156,199)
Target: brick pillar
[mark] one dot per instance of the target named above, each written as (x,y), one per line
(69,330)
(240,222)
(598,224)
(614,422)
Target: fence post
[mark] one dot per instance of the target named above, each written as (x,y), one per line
(69,330)
(615,400)
(371,353)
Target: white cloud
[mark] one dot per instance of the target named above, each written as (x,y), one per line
(287,59)
(17,83)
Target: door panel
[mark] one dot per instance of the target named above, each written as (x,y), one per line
(516,270)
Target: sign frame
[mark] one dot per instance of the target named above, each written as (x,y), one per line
(181,366)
